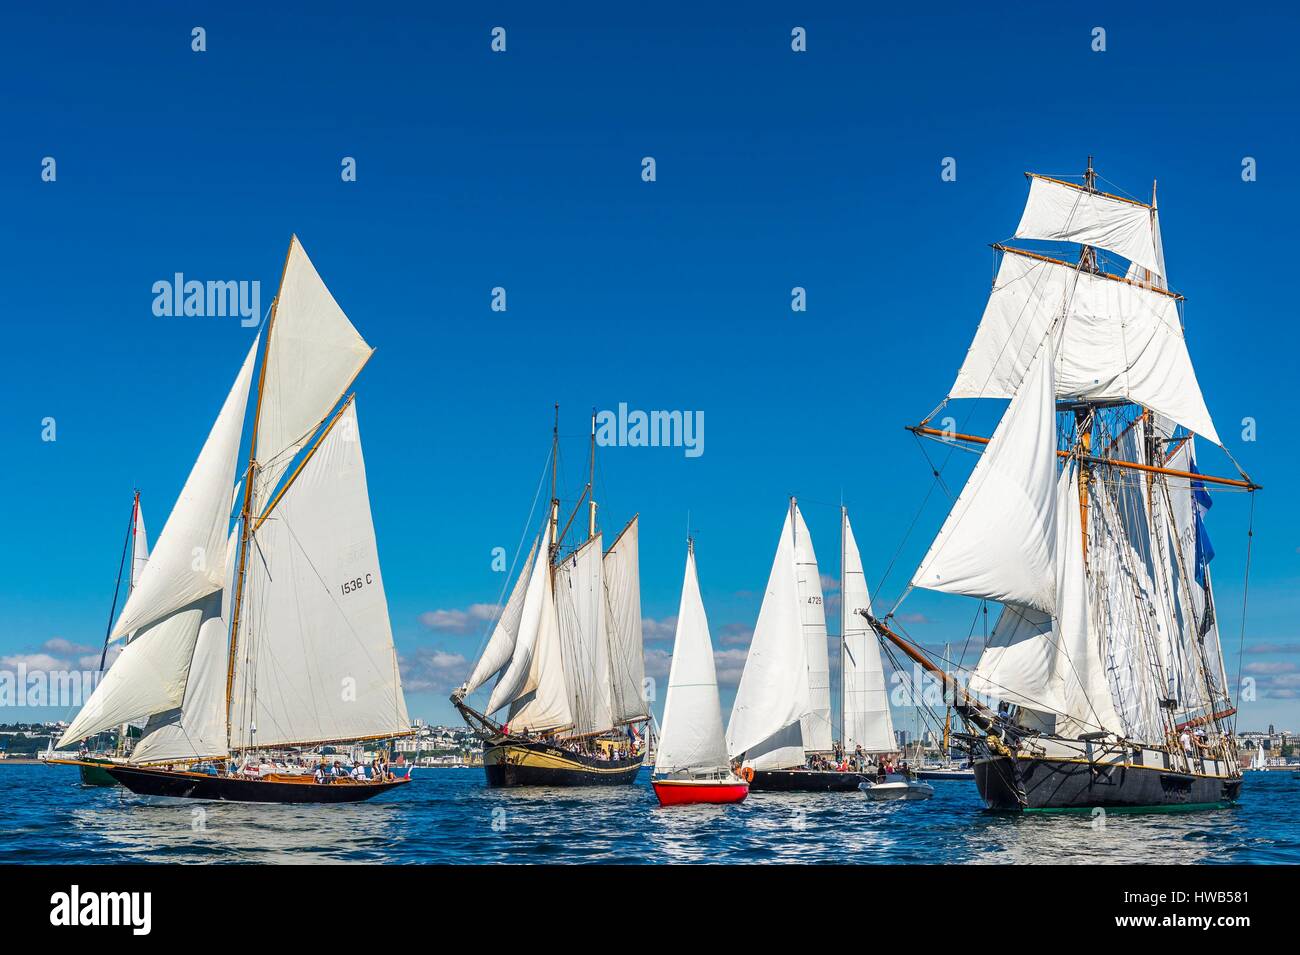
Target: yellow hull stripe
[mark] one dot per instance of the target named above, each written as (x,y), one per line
(522,756)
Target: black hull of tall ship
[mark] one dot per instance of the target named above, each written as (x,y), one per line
(1043,784)
(804,781)
(186,785)
(528,763)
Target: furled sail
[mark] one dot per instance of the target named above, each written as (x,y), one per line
(997,541)
(773,696)
(865,700)
(692,737)
(313,354)
(816,725)
(501,645)
(189,558)
(1118,340)
(1065,212)
(626,648)
(198,728)
(580,603)
(315,659)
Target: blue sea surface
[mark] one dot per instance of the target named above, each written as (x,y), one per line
(451,816)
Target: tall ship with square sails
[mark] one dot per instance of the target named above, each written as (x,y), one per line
(1083,519)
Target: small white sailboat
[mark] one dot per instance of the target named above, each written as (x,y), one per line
(691,765)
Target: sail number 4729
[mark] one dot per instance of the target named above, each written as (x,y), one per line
(355,584)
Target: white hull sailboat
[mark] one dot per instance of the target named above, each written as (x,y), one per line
(272,634)
(692,765)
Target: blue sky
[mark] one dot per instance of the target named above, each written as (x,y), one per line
(522,170)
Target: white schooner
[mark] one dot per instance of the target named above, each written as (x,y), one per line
(1083,519)
(270,632)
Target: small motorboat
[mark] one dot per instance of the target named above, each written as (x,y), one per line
(897,786)
(722,790)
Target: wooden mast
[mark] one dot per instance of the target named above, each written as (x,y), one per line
(246,509)
(554,519)
(844,518)
(591,481)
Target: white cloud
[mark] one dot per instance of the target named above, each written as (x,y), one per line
(664,629)
(465,622)
(434,670)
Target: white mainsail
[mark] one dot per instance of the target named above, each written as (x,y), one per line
(1065,212)
(863,697)
(313,354)
(773,697)
(692,738)
(626,647)
(997,542)
(501,645)
(1113,339)
(189,558)
(580,603)
(315,660)
(816,725)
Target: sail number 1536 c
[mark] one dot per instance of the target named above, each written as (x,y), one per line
(352,586)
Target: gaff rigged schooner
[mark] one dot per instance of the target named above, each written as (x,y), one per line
(273,633)
(568,660)
(1083,519)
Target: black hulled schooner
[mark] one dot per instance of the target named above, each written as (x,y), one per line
(567,655)
(1102,683)
(271,632)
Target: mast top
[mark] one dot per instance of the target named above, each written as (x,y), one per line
(1090,177)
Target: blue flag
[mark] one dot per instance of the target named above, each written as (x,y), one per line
(1201,502)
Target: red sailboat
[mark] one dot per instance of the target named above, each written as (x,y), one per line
(692,764)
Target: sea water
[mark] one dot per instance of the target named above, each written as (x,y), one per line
(451,816)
